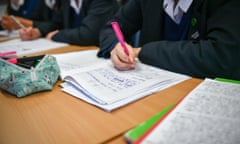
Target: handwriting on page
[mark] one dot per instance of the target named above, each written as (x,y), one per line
(184,128)
(119,80)
(99,83)
(109,84)
(210,114)
(115,82)
(227,97)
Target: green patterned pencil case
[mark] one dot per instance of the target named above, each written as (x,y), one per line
(21,81)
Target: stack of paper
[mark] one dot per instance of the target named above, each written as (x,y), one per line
(108,88)
(7,35)
(28,47)
(74,60)
(135,133)
(210,114)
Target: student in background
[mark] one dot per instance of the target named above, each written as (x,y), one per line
(77,22)
(3,10)
(200,38)
(22,8)
(29,12)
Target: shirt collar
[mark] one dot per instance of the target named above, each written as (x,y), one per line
(177,13)
(16,7)
(50,3)
(76,7)
(184,5)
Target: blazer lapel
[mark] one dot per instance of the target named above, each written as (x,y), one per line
(66,15)
(161,17)
(195,22)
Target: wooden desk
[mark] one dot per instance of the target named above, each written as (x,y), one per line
(56,117)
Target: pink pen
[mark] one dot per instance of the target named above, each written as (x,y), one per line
(5,54)
(12,60)
(119,35)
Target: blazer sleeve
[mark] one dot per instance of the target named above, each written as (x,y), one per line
(129,19)
(56,21)
(88,32)
(216,54)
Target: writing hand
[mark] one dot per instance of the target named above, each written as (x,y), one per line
(8,24)
(121,60)
(29,33)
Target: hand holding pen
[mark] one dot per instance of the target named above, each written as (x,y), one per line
(29,33)
(26,33)
(16,21)
(122,55)
(8,24)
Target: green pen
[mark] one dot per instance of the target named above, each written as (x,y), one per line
(228,80)
(37,62)
(132,135)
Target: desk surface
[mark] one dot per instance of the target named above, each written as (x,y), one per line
(56,117)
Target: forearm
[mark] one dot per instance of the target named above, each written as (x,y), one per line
(25,22)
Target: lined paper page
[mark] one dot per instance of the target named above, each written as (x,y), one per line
(209,114)
(74,60)
(110,85)
(106,87)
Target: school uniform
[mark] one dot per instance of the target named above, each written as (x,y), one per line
(208,45)
(46,10)
(80,28)
(36,10)
(3,6)
(24,8)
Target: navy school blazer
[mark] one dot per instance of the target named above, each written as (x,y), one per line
(212,47)
(94,14)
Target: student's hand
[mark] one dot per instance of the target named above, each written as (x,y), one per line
(121,60)
(29,33)
(8,24)
(24,21)
(51,34)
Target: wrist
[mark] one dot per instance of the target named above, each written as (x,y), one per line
(37,33)
(26,22)
(137,51)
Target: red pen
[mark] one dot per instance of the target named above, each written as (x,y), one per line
(119,35)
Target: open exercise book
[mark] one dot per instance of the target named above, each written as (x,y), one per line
(99,83)
(210,114)
(28,47)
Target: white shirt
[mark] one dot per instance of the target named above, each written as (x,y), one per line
(75,6)
(17,5)
(50,3)
(177,12)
